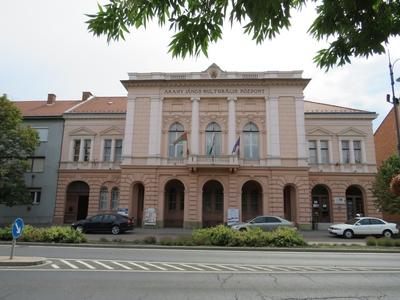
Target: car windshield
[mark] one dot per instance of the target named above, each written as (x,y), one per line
(352,221)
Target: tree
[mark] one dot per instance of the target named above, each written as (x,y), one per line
(17,142)
(357,28)
(386,200)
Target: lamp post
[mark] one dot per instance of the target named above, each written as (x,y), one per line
(395,102)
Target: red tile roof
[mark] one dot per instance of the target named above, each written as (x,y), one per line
(317,107)
(42,109)
(101,105)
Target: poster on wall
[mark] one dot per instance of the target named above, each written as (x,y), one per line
(150,216)
(233,216)
(122,211)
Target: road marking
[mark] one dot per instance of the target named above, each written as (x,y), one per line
(69,264)
(193,267)
(137,265)
(262,268)
(206,266)
(85,264)
(155,266)
(226,267)
(121,265)
(174,267)
(103,265)
(246,268)
(54,266)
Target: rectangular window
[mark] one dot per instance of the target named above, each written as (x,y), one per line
(345,152)
(324,152)
(35,195)
(118,150)
(312,152)
(107,150)
(357,152)
(43,134)
(36,164)
(77,148)
(86,150)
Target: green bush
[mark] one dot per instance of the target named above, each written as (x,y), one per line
(371,241)
(54,234)
(225,236)
(385,242)
(150,240)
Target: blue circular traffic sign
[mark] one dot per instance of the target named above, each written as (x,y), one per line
(17,228)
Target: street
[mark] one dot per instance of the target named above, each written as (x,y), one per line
(99,273)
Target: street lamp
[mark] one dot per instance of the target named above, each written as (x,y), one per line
(394,101)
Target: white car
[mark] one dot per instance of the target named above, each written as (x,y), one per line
(364,226)
(266,223)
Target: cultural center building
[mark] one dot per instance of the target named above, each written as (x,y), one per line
(198,149)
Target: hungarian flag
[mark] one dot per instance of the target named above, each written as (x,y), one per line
(181,138)
(236,146)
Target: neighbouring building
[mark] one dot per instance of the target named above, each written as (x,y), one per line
(204,148)
(41,177)
(385,138)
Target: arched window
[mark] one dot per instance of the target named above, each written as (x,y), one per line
(213,139)
(114,198)
(103,198)
(175,131)
(251,137)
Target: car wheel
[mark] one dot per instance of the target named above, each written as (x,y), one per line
(348,234)
(242,229)
(80,229)
(115,229)
(387,234)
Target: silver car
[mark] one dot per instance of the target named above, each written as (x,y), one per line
(266,223)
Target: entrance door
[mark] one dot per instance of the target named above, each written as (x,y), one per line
(320,205)
(83,203)
(137,203)
(354,202)
(213,204)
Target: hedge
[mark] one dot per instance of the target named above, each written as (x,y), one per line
(54,234)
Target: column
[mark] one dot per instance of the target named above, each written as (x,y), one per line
(155,127)
(231,123)
(112,150)
(301,134)
(81,150)
(272,124)
(127,151)
(194,137)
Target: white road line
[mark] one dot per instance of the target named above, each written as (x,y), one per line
(155,266)
(137,265)
(262,268)
(85,264)
(226,267)
(54,266)
(190,266)
(69,264)
(174,267)
(121,265)
(206,266)
(103,265)
(246,268)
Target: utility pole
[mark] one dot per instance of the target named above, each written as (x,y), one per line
(395,102)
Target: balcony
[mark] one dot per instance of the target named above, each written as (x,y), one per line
(90,165)
(208,161)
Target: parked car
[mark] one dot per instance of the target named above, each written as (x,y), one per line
(364,226)
(114,223)
(266,223)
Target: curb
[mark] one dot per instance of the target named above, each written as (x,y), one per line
(21,261)
(161,247)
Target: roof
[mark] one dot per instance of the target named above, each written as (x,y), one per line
(317,107)
(42,109)
(101,105)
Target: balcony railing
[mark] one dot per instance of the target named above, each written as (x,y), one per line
(90,165)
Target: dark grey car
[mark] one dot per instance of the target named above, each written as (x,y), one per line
(266,223)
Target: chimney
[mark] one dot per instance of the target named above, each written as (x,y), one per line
(86,95)
(51,99)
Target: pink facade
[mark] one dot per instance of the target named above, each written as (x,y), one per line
(305,161)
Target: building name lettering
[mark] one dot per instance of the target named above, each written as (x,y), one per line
(215,91)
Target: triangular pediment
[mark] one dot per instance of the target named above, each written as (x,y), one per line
(319,132)
(352,132)
(82,131)
(112,131)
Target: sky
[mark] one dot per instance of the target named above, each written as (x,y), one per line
(46,48)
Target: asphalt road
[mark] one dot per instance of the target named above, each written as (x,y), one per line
(93,273)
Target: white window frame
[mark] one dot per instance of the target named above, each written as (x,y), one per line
(43,133)
(36,198)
